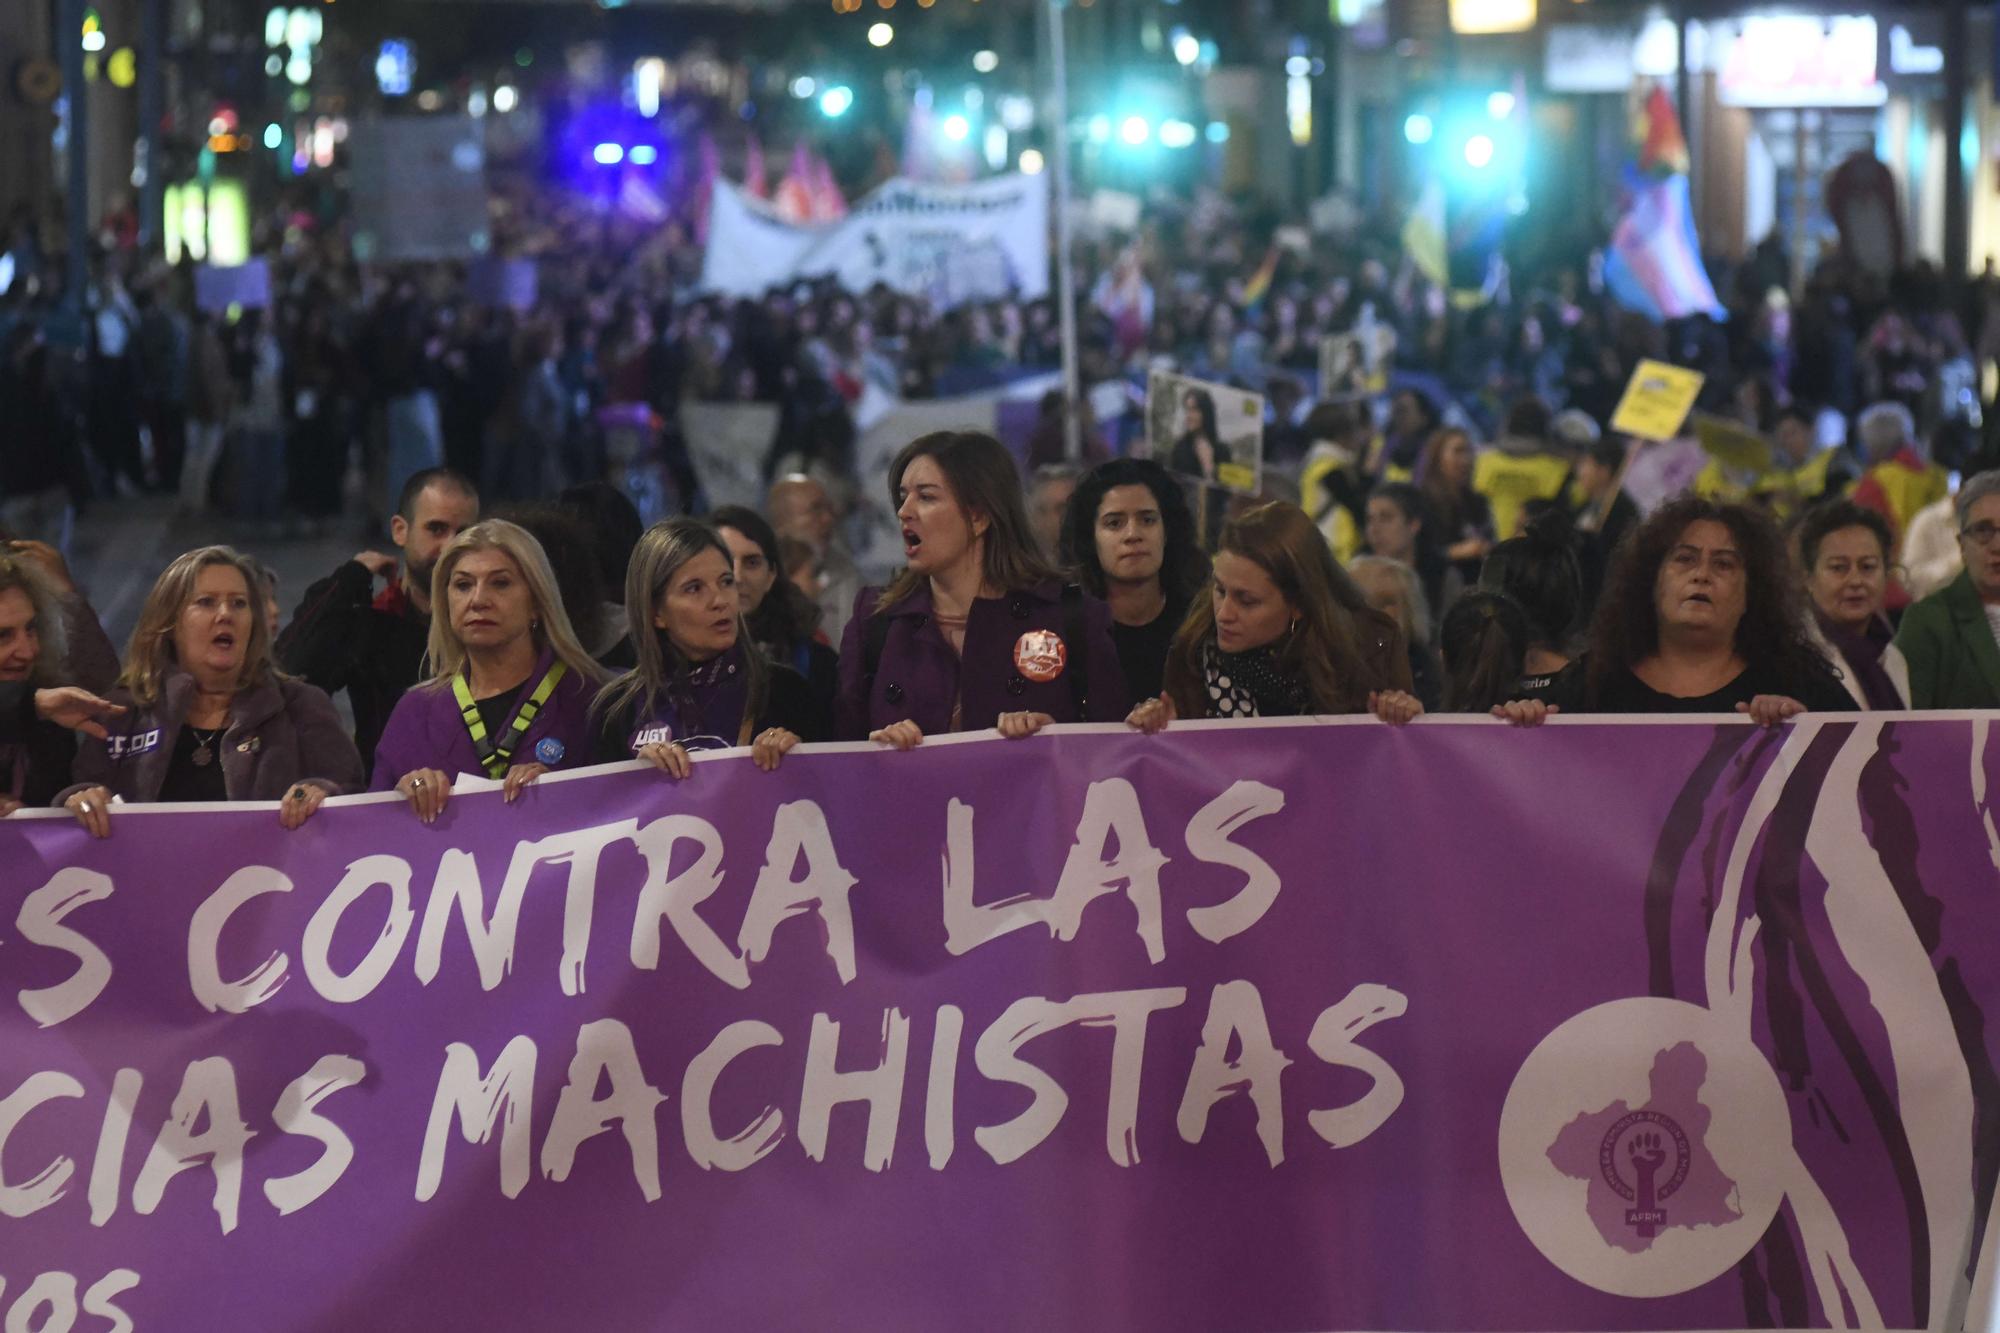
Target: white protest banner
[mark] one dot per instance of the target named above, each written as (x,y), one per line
(947,243)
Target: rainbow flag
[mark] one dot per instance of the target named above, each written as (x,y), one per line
(1259,286)
(1654,263)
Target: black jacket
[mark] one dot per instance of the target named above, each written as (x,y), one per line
(344,637)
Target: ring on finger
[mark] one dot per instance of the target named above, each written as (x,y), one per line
(83,807)
(416,784)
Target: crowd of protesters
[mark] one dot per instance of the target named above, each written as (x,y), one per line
(1459,539)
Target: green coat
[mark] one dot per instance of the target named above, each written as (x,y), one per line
(1954,661)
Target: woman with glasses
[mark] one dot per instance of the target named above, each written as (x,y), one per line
(1951,639)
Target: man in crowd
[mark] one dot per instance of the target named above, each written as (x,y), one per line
(1951,639)
(347,636)
(799,507)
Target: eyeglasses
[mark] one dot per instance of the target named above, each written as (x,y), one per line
(1981,534)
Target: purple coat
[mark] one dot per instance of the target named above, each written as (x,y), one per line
(426,731)
(919,676)
(280,733)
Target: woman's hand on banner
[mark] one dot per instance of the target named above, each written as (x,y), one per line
(670,758)
(771,746)
(300,803)
(1395,706)
(1525,712)
(904,735)
(519,776)
(92,808)
(427,790)
(1768,710)
(1015,726)
(1152,715)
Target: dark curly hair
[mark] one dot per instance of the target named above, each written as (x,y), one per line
(1185,568)
(1773,633)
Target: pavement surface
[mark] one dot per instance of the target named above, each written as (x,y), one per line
(121,545)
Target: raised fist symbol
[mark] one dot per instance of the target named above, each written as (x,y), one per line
(1647,1155)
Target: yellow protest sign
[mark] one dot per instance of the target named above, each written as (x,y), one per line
(1657,400)
(1735,447)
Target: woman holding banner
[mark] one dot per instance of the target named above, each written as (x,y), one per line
(1129,537)
(701,683)
(1702,615)
(210,717)
(1283,633)
(513,686)
(977,631)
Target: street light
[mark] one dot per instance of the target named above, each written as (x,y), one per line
(1031,162)
(1478,151)
(1187,47)
(881,34)
(956,128)
(835,101)
(1418,128)
(1135,131)
(985,61)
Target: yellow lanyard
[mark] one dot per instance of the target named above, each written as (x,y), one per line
(494,755)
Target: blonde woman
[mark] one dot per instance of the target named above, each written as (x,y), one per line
(700,683)
(210,718)
(512,689)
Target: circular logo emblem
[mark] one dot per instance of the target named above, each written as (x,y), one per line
(1040,655)
(549,750)
(1642,1147)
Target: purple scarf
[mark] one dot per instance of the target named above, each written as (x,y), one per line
(1862,654)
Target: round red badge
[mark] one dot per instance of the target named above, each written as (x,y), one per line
(1040,655)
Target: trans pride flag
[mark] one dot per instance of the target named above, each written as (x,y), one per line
(1654,265)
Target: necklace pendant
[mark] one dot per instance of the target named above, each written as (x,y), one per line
(203,756)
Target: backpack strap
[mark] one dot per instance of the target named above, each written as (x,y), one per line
(874,638)
(1076,635)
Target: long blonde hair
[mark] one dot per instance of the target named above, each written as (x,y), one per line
(446,653)
(661,552)
(151,650)
(16,572)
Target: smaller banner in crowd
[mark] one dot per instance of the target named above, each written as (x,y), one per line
(1625,1026)
(1657,401)
(1207,432)
(947,243)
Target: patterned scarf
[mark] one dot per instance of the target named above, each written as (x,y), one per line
(1250,684)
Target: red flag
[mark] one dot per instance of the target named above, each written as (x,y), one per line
(795,197)
(829,205)
(754,182)
(1663,149)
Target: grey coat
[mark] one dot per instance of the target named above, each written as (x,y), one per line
(280,733)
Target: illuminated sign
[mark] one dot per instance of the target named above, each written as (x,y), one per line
(1801,61)
(1488,16)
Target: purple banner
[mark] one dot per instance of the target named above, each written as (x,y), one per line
(1302,1025)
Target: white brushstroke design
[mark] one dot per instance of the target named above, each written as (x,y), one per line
(1932,1084)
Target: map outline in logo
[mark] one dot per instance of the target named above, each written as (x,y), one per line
(1645,1075)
